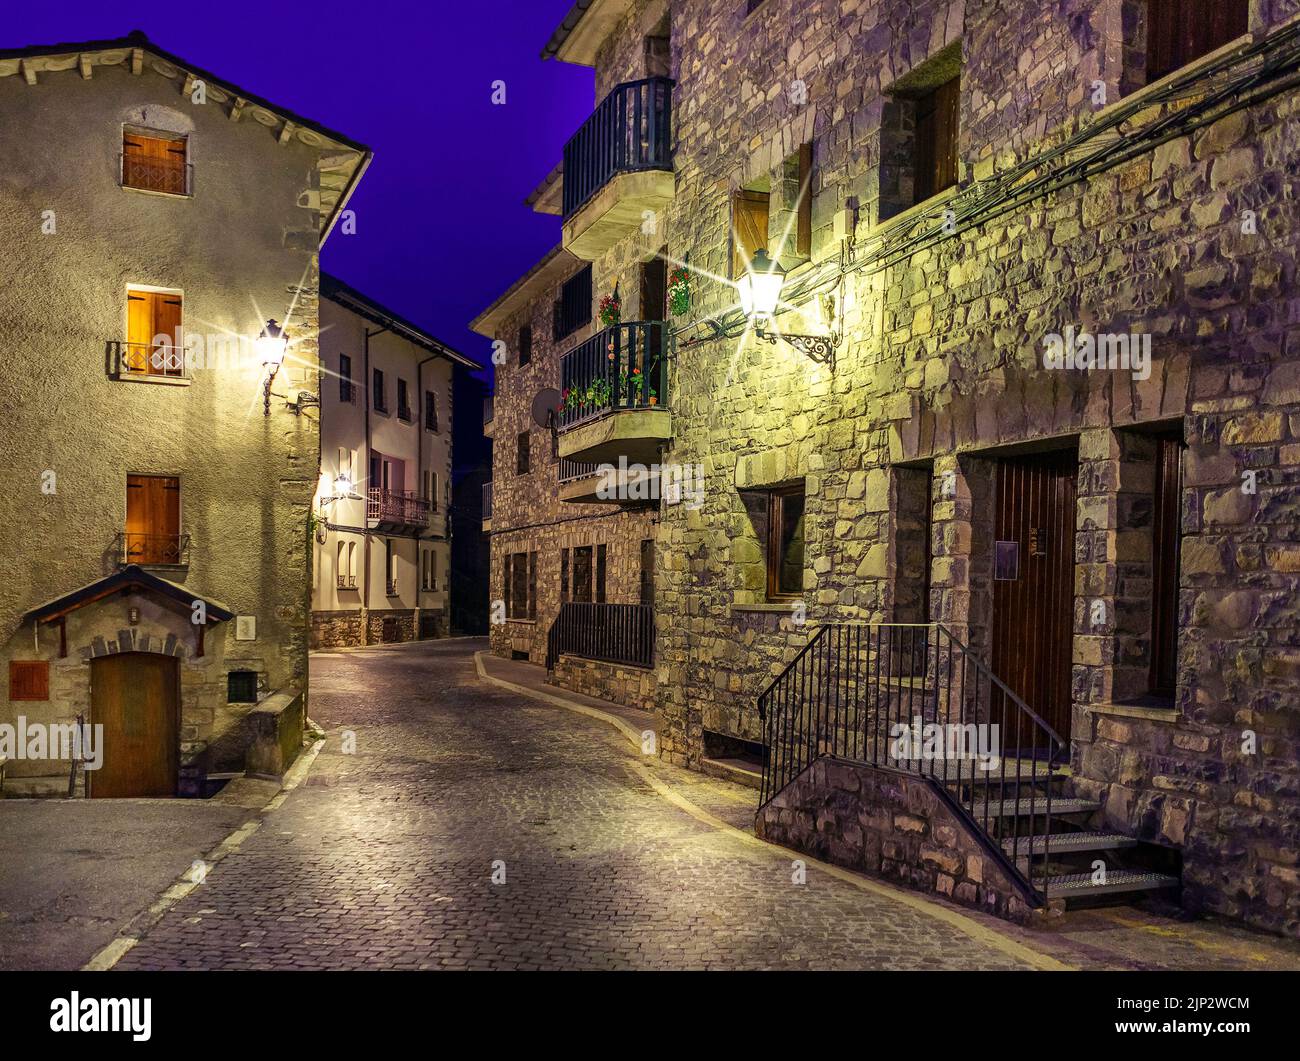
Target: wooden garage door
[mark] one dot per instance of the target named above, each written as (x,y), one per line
(136,698)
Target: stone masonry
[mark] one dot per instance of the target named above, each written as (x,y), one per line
(1190,238)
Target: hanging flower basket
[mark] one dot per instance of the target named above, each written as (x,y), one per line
(611,310)
(679,291)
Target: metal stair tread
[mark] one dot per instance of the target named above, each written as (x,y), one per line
(1064,843)
(1075,884)
(1008,808)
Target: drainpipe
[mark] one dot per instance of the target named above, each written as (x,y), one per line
(419,460)
(365,522)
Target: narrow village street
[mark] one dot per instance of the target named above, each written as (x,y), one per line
(384,858)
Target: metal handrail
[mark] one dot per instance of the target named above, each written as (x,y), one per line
(163,550)
(397,506)
(630,130)
(148,359)
(612,633)
(870,693)
(487,499)
(155,175)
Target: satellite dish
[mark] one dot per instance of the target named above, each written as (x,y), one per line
(546,408)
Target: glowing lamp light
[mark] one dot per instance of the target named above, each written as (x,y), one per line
(343,485)
(760,287)
(272,344)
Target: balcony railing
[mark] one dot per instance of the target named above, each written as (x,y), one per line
(163,550)
(155,175)
(347,581)
(487,500)
(630,130)
(571,471)
(397,506)
(623,367)
(487,409)
(614,633)
(147,359)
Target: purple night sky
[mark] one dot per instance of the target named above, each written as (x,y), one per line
(441,225)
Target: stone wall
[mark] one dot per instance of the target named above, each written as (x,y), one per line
(527,513)
(890,825)
(631,686)
(1192,242)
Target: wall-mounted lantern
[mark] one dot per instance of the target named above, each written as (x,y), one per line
(760,295)
(272,344)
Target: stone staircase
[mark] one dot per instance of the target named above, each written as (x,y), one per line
(1077,859)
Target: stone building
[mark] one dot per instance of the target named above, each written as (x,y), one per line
(1032,387)
(565,540)
(381,569)
(159,474)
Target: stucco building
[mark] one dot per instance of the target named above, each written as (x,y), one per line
(159,483)
(1018,446)
(571,550)
(382,528)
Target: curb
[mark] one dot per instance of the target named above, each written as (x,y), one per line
(137,927)
(975,930)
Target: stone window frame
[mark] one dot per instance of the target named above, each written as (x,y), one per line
(896,132)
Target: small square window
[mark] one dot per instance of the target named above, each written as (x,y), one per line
(241,687)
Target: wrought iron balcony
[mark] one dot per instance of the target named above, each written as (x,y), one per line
(620,377)
(618,164)
(396,508)
(487,501)
(347,581)
(146,360)
(152,550)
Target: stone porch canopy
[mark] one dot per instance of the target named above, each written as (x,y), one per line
(131,579)
(342,161)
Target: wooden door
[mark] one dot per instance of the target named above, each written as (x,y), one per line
(1179,31)
(136,698)
(1033,586)
(153,519)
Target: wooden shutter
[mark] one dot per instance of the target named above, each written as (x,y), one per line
(749,213)
(803,230)
(154,163)
(169,358)
(1179,31)
(150,314)
(935,140)
(600,574)
(29,679)
(153,519)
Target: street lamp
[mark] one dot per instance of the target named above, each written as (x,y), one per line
(272,344)
(760,295)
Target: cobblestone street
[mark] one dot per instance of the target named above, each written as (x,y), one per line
(384,858)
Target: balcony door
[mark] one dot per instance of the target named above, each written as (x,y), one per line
(153,519)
